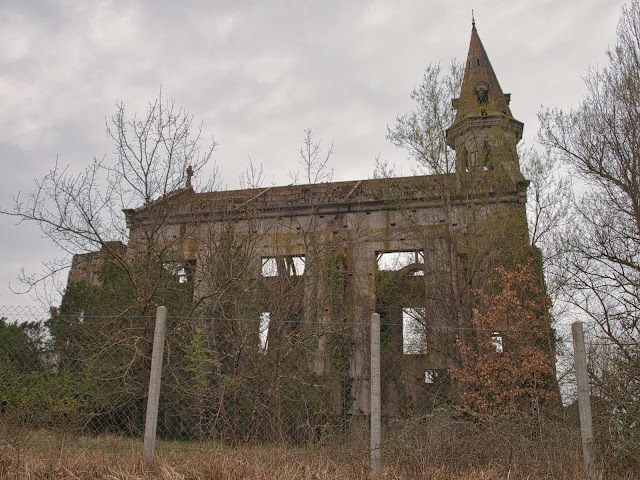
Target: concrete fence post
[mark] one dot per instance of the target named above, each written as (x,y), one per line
(153,398)
(584,399)
(376,411)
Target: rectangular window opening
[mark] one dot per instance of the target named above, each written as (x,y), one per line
(263,331)
(394,261)
(430,376)
(182,275)
(496,341)
(292,266)
(269,267)
(183,270)
(414,334)
(295,265)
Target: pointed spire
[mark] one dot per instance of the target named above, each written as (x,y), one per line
(480,94)
(484,134)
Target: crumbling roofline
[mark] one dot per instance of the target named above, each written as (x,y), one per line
(211,215)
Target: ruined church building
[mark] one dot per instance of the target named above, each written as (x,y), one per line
(413,249)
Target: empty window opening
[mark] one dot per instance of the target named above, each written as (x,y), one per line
(183,270)
(288,265)
(430,376)
(263,331)
(183,277)
(464,161)
(483,96)
(395,261)
(486,156)
(269,267)
(496,341)
(295,265)
(414,337)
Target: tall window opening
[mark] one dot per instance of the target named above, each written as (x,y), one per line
(263,331)
(395,261)
(285,265)
(496,340)
(414,335)
(182,270)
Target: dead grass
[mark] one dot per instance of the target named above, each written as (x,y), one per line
(462,455)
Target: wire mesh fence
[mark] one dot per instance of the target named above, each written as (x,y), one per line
(241,381)
(305,388)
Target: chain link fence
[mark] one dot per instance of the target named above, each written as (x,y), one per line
(251,383)
(242,381)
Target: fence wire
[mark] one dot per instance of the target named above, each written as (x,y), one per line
(248,382)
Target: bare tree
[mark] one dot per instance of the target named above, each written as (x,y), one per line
(315,162)
(549,194)
(548,205)
(155,156)
(382,168)
(422,132)
(600,143)
(253,176)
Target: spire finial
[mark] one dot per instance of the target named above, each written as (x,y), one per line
(473,18)
(189,176)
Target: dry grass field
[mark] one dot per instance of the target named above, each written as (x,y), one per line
(42,455)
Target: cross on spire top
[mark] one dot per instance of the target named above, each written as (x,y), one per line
(189,176)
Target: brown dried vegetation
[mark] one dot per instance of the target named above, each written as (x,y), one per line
(439,447)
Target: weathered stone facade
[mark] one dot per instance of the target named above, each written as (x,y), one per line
(332,236)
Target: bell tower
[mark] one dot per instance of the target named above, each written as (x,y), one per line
(484,133)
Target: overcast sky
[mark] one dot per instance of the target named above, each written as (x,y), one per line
(257,74)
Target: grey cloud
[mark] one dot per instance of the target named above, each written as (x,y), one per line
(258,73)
